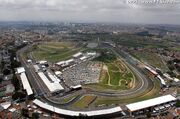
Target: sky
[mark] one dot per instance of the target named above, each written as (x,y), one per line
(113,11)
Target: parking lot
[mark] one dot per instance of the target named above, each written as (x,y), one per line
(84,73)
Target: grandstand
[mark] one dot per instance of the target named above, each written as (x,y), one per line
(26,84)
(76,113)
(151,103)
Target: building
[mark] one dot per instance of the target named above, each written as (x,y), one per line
(58,73)
(26,85)
(150,105)
(91,53)
(65,63)
(155,74)
(170,78)
(5,105)
(29,61)
(76,113)
(36,67)
(83,58)
(53,85)
(76,87)
(151,70)
(42,62)
(163,83)
(77,55)
(20,70)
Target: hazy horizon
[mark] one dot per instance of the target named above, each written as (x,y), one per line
(92,11)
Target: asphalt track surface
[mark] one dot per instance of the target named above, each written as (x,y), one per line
(144,84)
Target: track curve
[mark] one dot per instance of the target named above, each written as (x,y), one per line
(144,85)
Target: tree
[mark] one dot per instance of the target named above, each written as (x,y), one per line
(1,79)
(15,64)
(35,115)
(171,67)
(178,103)
(148,114)
(82,116)
(18,95)
(25,112)
(15,82)
(2,64)
(6,71)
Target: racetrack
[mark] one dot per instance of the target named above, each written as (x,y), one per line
(143,84)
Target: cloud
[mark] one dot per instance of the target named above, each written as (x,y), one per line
(89,10)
